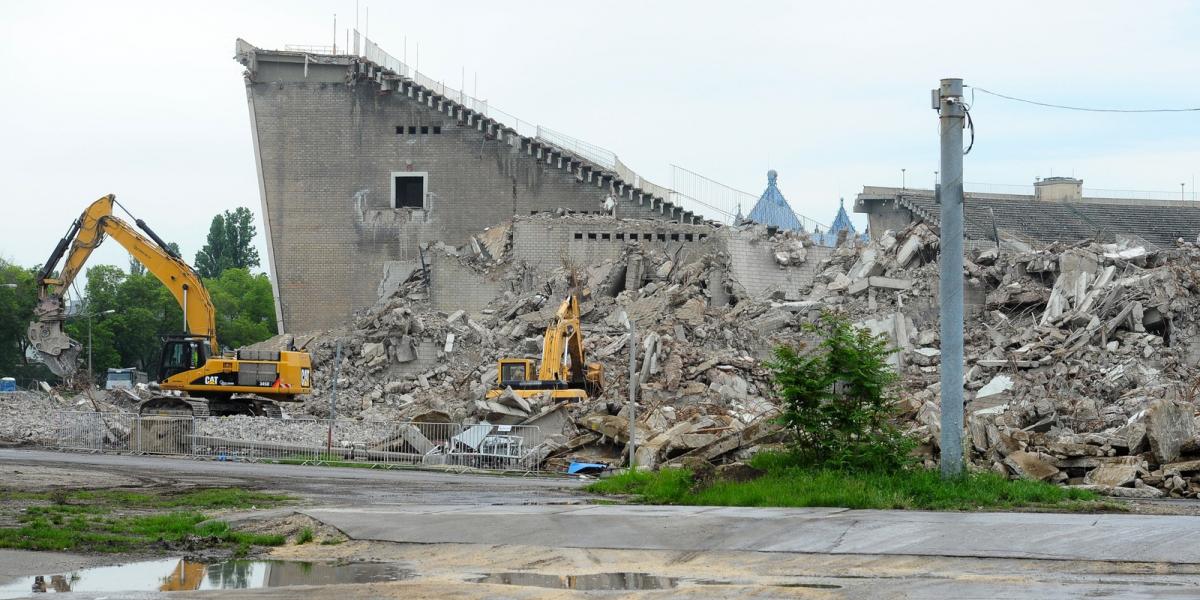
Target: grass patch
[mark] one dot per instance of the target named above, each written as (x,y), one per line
(306,536)
(122,521)
(205,498)
(791,486)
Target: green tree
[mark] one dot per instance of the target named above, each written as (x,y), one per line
(837,401)
(230,244)
(18,296)
(245,306)
(101,294)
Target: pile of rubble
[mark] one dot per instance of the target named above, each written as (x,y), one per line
(1080,359)
(43,416)
(699,364)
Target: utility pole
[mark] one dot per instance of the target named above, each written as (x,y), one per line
(903,180)
(337,364)
(948,102)
(633,385)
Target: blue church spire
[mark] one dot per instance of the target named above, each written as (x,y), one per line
(773,209)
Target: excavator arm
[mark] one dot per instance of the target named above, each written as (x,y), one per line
(46,332)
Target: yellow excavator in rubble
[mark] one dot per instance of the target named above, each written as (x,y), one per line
(564,373)
(204,380)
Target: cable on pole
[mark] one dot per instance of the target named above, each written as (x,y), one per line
(1086,109)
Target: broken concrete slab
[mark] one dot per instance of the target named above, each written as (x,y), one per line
(1031,465)
(1112,475)
(1171,429)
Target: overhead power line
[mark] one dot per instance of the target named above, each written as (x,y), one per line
(1086,109)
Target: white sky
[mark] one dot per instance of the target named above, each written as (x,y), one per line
(144,100)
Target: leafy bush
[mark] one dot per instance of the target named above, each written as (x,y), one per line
(837,401)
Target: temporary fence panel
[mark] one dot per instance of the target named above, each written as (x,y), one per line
(305,441)
(92,431)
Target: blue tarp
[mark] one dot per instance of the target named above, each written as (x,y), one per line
(579,467)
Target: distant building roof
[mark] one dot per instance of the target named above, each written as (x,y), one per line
(841,222)
(1159,222)
(773,209)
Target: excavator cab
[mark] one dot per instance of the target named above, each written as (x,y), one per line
(181,354)
(564,373)
(514,372)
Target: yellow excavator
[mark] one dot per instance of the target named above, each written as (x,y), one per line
(564,373)
(203,380)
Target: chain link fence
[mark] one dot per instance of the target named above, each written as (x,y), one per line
(452,446)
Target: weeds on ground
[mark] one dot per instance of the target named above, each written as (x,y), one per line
(123,521)
(305,536)
(786,484)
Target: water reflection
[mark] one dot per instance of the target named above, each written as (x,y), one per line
(177,574)
(592,581)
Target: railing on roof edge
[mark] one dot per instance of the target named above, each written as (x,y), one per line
(599,156)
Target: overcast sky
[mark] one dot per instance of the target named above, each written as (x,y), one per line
(144,100)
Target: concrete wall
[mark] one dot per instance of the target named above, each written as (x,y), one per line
(884,215)
(544,243)
(326,151)
(752,264)
(454,286)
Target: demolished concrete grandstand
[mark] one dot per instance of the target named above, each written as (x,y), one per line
(1080,358)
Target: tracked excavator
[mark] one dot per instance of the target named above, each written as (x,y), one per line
(196,377)
(564,372)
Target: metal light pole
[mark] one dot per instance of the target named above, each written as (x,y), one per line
(950,275)
(903,179)
(633,385)
(337,364)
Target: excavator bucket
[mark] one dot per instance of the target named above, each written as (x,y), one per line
(59,352)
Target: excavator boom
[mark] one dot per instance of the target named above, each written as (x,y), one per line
(197,376)
(563,372)
(85,235)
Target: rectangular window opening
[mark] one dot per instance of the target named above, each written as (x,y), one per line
(578,235)
(412,130)
(606,236)
(687,237)
(662,237)
(674,237)
(399,130)
(647,236)
(703,236)
(408,190)
(437,129)
(621,237)
(591,236)
(424,130)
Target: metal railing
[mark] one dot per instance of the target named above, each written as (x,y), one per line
(597,155)
(690,189)
(309,48)
(580,148)
(305,441)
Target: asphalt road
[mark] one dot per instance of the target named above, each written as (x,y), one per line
(320,484)
(449,529)
(1055,536)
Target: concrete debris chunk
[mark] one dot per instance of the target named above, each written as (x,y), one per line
(1171,429)
(1031,465)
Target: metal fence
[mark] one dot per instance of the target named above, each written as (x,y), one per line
(306,441)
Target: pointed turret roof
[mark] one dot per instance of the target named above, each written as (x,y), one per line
(773,209)
(842,220)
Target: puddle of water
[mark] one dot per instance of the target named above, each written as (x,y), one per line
(593,581)
(176,574)
(818,586)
